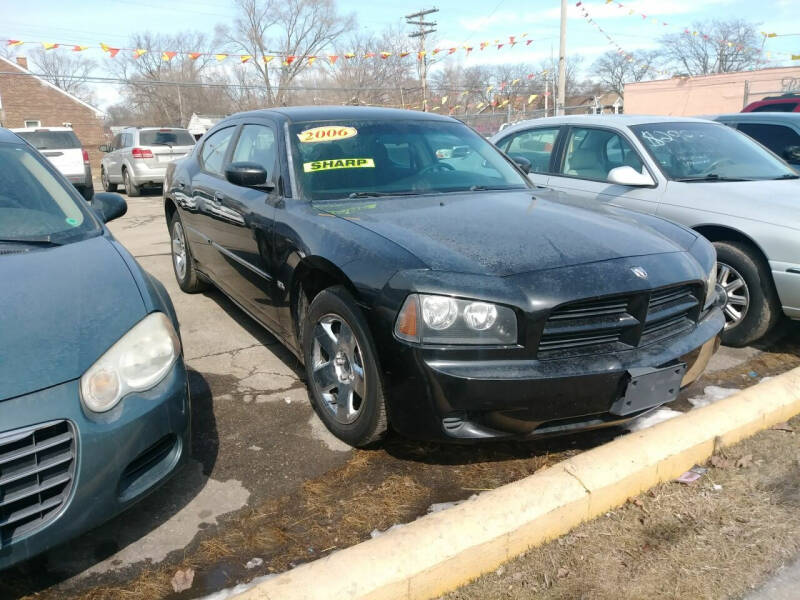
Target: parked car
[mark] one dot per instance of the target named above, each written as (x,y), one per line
(783,103)
(62,148)
(780,132)
(139,156)
(446,298)
(696,172)
(94,406)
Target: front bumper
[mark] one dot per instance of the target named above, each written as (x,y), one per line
(120,456)
(432,398)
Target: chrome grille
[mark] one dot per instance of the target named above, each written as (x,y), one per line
(37,466)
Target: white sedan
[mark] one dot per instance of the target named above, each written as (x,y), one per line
(699,173)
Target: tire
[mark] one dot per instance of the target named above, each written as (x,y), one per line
(187,277)
(332,357)
(752,308)
(107,185)
(87,192)
(131,189)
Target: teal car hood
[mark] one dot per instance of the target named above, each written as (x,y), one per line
(61,308)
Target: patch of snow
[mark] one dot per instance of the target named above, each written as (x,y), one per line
(711,394)
(434,508)
(653,418)
(377,533)
(254,562)
(239,589)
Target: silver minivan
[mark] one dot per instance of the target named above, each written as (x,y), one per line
(139,156)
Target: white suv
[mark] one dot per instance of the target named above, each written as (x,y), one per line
(62,148)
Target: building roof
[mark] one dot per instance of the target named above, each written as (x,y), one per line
(4,61)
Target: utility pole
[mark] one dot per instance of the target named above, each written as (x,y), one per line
(562,61)
(424,28)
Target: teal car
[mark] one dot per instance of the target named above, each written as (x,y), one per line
(94,400)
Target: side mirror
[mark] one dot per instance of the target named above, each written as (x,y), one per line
(248,174)
(109,206)
(629,176)
(792,154)
(105,148)
(522,162)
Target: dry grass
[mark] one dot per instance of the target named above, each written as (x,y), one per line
(675,541)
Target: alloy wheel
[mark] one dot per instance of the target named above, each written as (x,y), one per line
(738,294)
(104,178)
(338,368)
(179,250)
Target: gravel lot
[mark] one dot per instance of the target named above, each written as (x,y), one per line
(267,480)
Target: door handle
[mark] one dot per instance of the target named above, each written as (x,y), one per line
(218,197)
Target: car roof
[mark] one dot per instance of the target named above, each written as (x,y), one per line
(333,113)
(607,120)
(9,137)
(32,129)
(793,118)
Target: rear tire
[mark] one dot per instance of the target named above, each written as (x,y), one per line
(131,189)
(344,380)
(753,307)
(107,185)
(182,261)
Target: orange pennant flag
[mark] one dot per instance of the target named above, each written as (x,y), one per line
(468,49)
(311,60)
(111,51)
(49,45)
(452,50)
(421,55)
(436,50)
(245,57)
(289,60)
(168,56)
(195,55)
(79,48)
(221,57)
(500,46)
(369,55)
(528,43)
(139,52)
(333,58)
(484,44)
(404,54)
(349,55)
(385,55)
(15,43)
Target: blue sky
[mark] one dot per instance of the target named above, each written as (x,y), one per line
(460,21)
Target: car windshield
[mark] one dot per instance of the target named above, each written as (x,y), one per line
(354,159)
(165,137)
(35,205)
(50,140)
(708,152)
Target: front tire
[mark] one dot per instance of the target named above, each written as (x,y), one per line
(130,188)
(182,261)
(752,307)
(107,185)
(344,381)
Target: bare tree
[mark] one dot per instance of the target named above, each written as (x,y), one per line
(290,31)
(66,70)
(713,47)
(614,70)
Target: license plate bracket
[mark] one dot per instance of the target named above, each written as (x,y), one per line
(649,387)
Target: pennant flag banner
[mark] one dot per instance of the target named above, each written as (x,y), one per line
(195,55)
(15,43)
(139,52)
(49,45)
(168,56)
(245,57)
(79,48)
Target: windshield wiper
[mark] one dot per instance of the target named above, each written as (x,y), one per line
(380,194)
(44,240)
(788,176)
(483,188)
(711,177)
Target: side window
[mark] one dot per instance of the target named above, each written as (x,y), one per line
(592,153)
(127,140)
(117,143)
(775,137)
(256,144)
(536,145)
(213,154)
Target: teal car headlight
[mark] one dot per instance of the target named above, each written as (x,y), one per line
(136,362)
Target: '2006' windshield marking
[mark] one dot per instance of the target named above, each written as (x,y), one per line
(326,134)
(338,163)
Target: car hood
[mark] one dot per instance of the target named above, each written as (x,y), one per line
(502,233)
(62,307)
(776,202)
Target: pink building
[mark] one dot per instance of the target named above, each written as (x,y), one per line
(709,94)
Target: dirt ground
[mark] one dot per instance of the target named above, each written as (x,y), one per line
(716,538)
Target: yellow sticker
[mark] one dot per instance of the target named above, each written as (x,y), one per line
(338,163)
(328,133)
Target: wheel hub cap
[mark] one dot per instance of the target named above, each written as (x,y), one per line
(737,294)
(179,250)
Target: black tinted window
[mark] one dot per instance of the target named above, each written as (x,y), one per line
(777,107)
(50,140)
(775,137)
(165,137)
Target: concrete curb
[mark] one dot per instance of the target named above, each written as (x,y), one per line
(442,551)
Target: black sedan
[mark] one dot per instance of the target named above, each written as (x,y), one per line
(427,285)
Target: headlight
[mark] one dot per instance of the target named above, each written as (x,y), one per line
(711,286)
(136,362)
(430,319)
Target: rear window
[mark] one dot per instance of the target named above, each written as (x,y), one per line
(777,107)
(165,137)
(50,140)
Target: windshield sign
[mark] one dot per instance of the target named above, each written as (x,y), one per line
(708,152)
(35,205)
(357,159)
